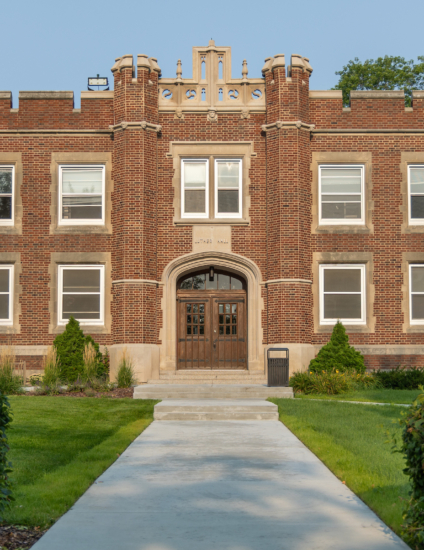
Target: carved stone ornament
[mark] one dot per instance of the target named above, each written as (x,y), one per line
(245,113)
(212,115)
(179,113)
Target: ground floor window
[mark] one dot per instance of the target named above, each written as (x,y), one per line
(6,294)
(416,294)
(81,294)
(342,294)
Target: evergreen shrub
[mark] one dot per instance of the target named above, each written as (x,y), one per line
(401,378)
(338,354)
(331,383)
(5,466)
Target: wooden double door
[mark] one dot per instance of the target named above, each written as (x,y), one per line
(211,329)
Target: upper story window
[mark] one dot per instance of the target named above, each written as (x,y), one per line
(6,194)
(81,294)
(6,294)
(341,194)
(221,200)
(342,294)
(416,194)
(416,294)
(81,195)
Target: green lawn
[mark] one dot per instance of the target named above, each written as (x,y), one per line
(351,440)
(60,445)
(375,396)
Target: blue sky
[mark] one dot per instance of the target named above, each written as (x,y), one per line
(56,45)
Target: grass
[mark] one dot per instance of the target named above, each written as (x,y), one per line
(60,445)
(372,395)
(351,440)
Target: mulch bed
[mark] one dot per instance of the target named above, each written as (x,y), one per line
(117,393)
(17,537)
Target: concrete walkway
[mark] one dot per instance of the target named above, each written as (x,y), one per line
(231,485)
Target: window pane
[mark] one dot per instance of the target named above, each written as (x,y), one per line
(342,306)
(211,285)
(342,280)
(417,207)
(4,280)
(417,187)
(417,276)
(195,174)
(223,282)
(236,284)
(341,198)
(82,181)
(417,175)
(417,306)
(4,306)
(340,185)
(5,208)
(194,202)
(187,285)
(81,280)
(81,212)
(228,174)
(228,202)
(81,306)
(341,211)
(5,180)
(341,172)
(199,282)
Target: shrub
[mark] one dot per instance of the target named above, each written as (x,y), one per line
(5,466)
(70,347)
(331,383)
(126,376)
(51,377)
(413,449)
(401,378)
(10,381)
(338,354)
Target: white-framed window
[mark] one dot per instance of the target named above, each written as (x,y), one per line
(341,194)
(195,188)
(6,294)
(7,194)
(228,188)
(81,294)
(81,195)
(342,294)
(416,194)
(416,294)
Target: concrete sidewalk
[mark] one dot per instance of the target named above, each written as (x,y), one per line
(231,485)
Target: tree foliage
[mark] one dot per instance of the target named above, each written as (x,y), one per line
(5,466)
(338,354)
(383,73)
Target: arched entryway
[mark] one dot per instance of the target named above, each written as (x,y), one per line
(211,320)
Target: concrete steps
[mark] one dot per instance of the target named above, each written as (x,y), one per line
(215,409)
(209,391)
(221,377)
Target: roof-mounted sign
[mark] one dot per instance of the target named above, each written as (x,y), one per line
(98,81)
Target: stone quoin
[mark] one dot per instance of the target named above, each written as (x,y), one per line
(199,221)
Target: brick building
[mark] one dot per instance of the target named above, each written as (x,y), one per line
(200,221)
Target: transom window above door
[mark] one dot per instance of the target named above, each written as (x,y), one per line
(211,280)
(211,188)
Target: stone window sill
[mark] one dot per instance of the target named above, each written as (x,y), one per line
(355,229)
(206,221)
(80,229)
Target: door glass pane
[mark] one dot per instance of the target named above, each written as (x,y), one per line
(5,180)
(4,280)
(234,308)
(417,306)
(201,308)
(81,306)
(195,308)
(5,208)
(194,174)
(195,202)
(342,280)
(81,280)
(221,329)
(81,181)
(228,202)
(227,330)
(228,319)
(201,329)
(223,282)
(227,308)
(228,174)
(188,308)
(234,318)
(195,319)
(342,306)
(417,207)
(4,306)
(234,329)
(195,329)
(201,319)
(221,319)
(417,282)
(188,329)
(199,282)
(188,318)
(221,309)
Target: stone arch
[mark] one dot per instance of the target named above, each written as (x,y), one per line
(222,260)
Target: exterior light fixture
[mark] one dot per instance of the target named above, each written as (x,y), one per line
(98,81)
(211,273)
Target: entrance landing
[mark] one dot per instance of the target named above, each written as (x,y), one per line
(209,391)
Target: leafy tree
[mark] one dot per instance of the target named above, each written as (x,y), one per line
(338,354)
(70,348)
(383,73)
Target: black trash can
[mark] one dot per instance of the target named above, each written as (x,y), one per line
(278,368)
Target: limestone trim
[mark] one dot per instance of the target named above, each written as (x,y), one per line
(137,282)
(221,260)
(365,258)
(355,131)
(179,150)
(342,158)
(409,258)
(13,258)
(377,94)
(142,125)
(416,94)
(80,159)
(284,124)
(41,131)
(46,95)
(76,258)
(276,281)
(98,94)
(325,94)
(5,95)
(389,349)
(14,159)
(407,159)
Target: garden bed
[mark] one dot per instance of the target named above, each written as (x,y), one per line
(116,393)
(19,537)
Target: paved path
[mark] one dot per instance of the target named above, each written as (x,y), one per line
(232,485)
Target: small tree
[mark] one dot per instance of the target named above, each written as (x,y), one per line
(338,354)
(5,466)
